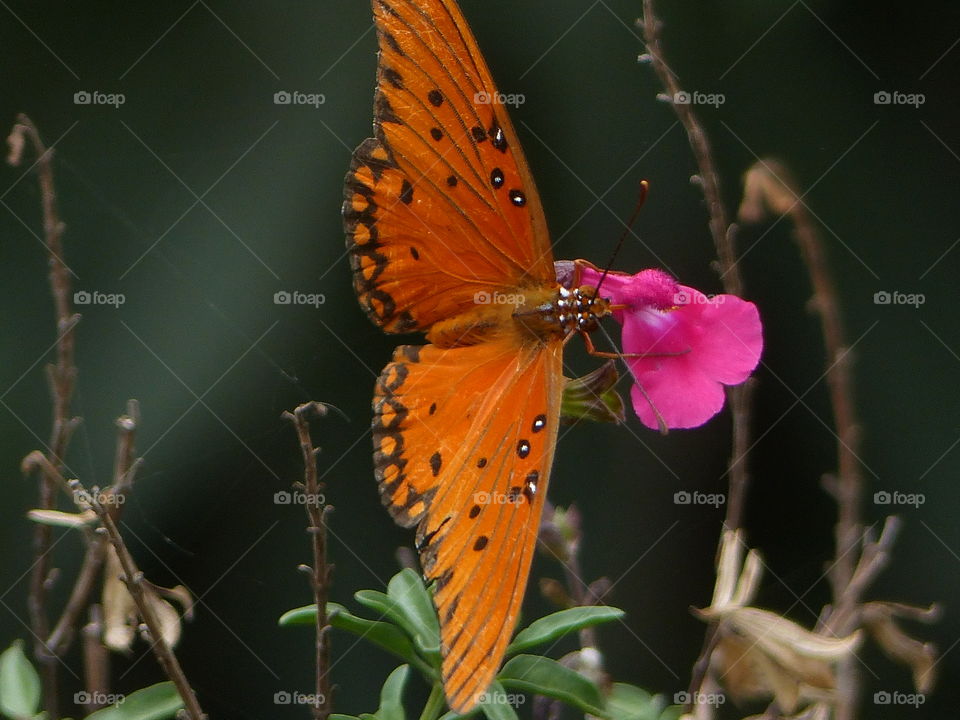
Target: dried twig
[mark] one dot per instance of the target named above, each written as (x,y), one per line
(124,471)
(724,240)
(96,661)
(132,576)
(62,379)
(320,572)
(782,193)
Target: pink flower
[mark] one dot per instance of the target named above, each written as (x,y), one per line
(693,344)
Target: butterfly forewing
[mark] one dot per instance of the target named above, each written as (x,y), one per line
(441,204)
(464,439)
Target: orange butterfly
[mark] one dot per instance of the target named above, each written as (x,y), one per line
(443,222)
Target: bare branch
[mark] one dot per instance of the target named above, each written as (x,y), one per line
(317,511)
(62,377)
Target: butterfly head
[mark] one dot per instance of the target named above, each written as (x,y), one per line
(580,309)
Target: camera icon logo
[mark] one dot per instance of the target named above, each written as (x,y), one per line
(282,97)
(282,698)
(82,297)
(882,497)
(282,498)
(82,698)
(282,298)
(882,98)
(882,298)
(482,298)
(882,698)
(682,497)
(82,98)
(682,97)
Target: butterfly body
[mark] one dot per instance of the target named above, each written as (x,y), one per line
(447,236)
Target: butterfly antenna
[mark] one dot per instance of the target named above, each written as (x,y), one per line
(644,188)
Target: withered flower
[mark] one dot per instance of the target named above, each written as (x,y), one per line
(760,654)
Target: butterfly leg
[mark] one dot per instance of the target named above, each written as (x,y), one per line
(592,350)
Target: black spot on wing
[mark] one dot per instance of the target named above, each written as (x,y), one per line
(406,192)
(523,449)
(392,77)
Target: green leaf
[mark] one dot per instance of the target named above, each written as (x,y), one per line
(306,615)
(406,588)
(673,712)
(391,696)
(19,684)
(408,604)
(386,635)
(593,397)
(558,624)
(338,716)
(628,702)
(496,703)
(157,702)
(543,676)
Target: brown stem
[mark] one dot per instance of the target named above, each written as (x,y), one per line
(132,576)
(62,378)
(124,470)
(724,240)
(317,512)
(847,489)
(96,661)
(133,579)
(720,227)
(62,635)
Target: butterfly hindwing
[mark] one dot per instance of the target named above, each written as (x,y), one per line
(464,439)
(440,204)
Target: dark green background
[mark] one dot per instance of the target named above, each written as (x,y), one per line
(199,318)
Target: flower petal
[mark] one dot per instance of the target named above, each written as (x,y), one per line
(729,335)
